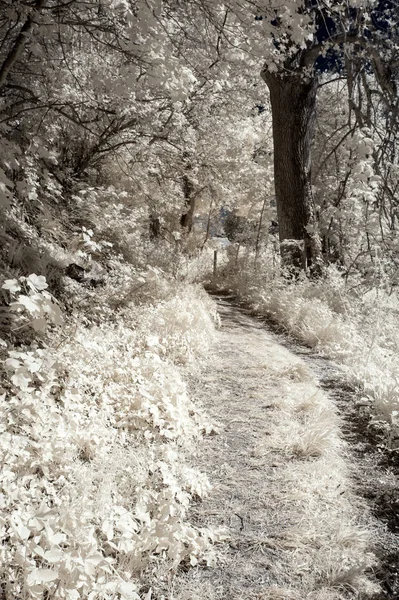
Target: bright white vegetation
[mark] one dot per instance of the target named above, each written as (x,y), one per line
(131,132)
(95,427)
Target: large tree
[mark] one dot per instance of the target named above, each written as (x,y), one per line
(296,40)
(328,33)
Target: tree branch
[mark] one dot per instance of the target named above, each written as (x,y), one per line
(19,44)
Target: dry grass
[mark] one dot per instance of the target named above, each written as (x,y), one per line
(297,372)
(275,593)
(282,480)
(319,434)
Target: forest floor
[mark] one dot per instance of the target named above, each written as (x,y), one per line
(305,496)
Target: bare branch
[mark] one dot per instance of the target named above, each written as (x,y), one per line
(19,43)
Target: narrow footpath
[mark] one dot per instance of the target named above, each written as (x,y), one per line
(285,479)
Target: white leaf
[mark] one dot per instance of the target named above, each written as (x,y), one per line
(94,559)
(37,281)
(128,591)
(54,313)
(13,363)
(11,285)
(19,528)
(54,538)
(108,529)
(54,555)
(21,379)
(41,576)
(39,324)
(25,302)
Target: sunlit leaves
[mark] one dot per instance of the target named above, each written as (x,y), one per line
(93,439)
(36,307)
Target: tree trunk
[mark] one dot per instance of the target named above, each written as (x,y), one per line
(293,102)
(155,227)
(258,233)
(186,219)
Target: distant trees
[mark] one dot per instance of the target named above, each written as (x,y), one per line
(163,98)
(98,92)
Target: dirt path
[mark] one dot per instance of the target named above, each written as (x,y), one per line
(282,477)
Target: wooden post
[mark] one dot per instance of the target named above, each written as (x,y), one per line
(238,250)
(215,261)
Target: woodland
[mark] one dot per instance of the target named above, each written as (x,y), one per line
(150,148)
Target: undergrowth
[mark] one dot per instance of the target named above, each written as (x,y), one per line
(98,434)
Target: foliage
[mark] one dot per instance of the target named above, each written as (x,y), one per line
(115,119)
(95,425)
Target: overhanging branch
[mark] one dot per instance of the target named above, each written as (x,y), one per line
(19,43)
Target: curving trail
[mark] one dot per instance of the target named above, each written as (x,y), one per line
(282,475)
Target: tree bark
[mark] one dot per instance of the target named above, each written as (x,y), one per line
(155,227)
(293,103)
(186,219)
(19,44)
